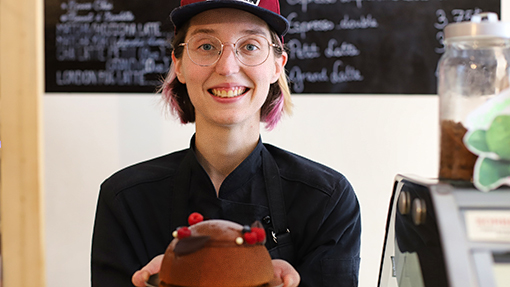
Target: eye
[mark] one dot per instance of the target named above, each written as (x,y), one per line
(206,47)
(204,44)
(251,47)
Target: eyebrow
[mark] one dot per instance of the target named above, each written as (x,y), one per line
(211,31)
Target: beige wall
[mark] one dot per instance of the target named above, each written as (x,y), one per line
(368,138)
(21,168)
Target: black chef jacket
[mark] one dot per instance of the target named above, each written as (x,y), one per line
(140,206)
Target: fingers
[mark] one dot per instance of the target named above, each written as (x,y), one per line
(290,281)
(285,271)
(141,276)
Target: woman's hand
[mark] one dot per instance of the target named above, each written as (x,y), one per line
(141,276)
(285,271)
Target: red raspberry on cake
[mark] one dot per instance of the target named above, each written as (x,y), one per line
(195,218)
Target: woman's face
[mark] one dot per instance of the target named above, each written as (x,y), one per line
(228,93)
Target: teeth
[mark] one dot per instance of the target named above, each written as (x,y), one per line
(228,93)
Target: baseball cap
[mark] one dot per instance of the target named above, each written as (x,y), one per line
(267,10)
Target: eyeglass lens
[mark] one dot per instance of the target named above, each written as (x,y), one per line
(205,50)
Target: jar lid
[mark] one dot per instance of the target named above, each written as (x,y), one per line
(481,25)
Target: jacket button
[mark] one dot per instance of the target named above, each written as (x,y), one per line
(266,220)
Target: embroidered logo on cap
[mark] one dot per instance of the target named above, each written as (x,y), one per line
(254,2)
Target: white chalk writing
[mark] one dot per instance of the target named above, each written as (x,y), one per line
(339,74)
(301,28)
(102,77)
(457,15)
(298,78)
(348,74)
(94,32)
(304,3)
(359,3)
(303,51)
(364,22)
(345,49)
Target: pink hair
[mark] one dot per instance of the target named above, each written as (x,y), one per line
(169,96)
(274,113)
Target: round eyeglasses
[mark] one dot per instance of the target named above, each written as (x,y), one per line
(205,50)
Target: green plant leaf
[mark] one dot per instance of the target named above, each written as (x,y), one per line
(490,174)
(498,136)
(476,141)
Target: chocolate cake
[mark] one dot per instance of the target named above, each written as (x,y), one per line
(217,253)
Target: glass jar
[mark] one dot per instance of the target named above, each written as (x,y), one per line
(474,68)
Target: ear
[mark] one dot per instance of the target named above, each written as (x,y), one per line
(178,69)
(279,66)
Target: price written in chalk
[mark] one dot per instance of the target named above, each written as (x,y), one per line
(444,18)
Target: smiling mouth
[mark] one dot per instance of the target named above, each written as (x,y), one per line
(228,93)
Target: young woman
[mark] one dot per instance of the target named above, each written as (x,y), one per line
(227,77)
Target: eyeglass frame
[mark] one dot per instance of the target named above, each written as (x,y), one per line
(234,49)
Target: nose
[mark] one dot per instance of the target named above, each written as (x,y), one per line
(228,63)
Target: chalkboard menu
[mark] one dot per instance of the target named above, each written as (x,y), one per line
(107,45)
(370,46)
(335,46)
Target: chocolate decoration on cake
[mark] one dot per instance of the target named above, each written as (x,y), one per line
(190,245)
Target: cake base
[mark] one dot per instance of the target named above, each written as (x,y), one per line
(154,282)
